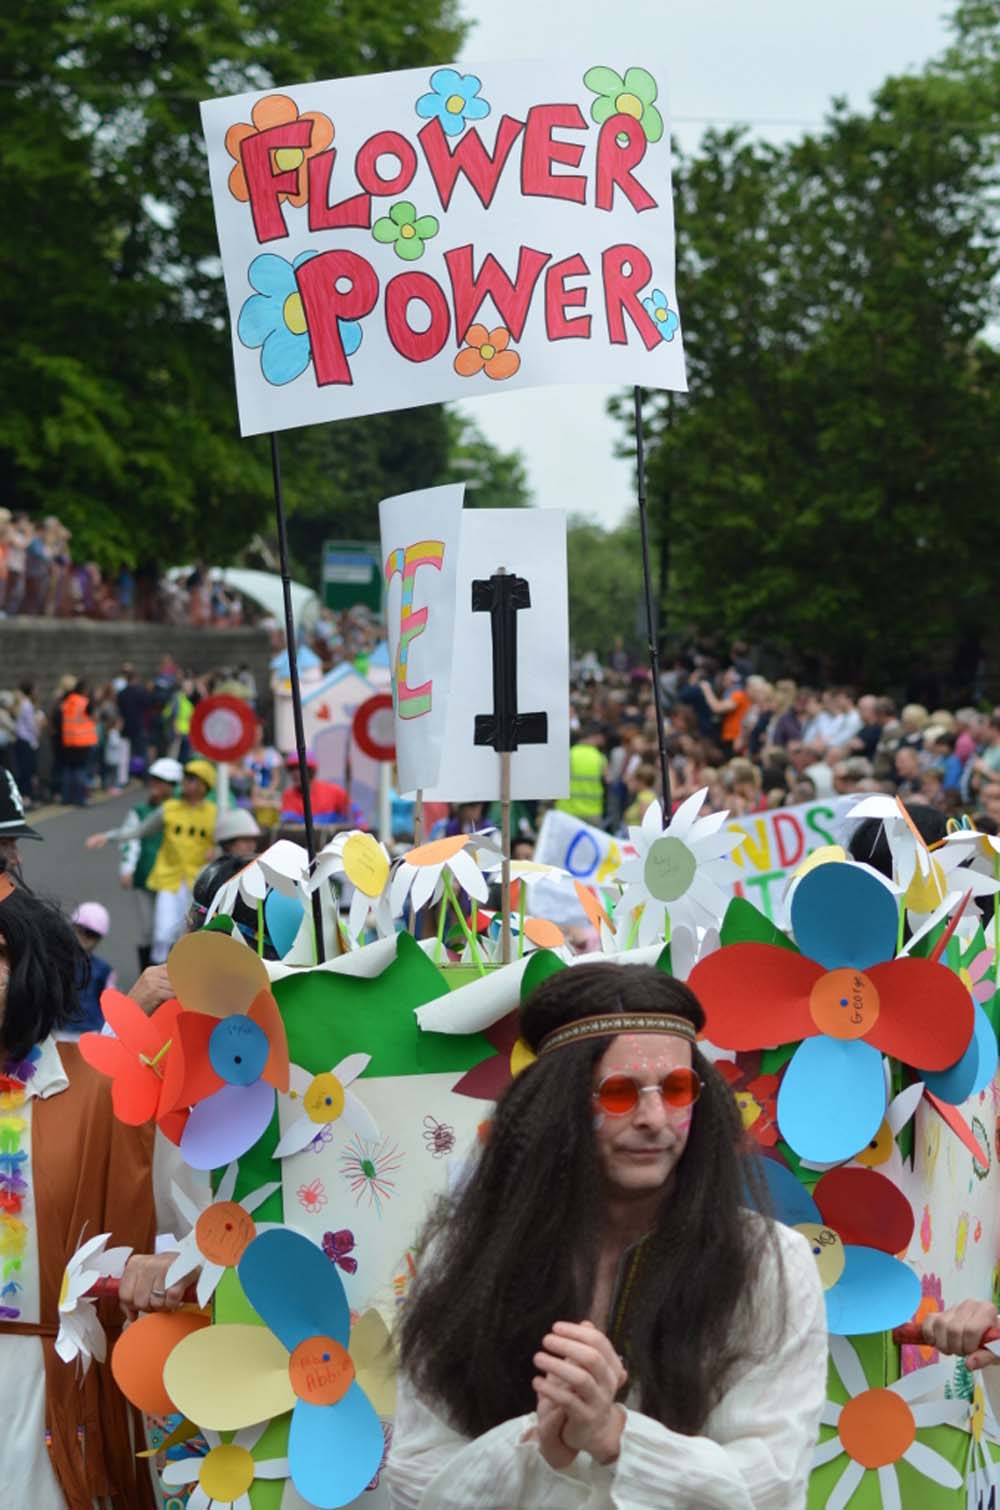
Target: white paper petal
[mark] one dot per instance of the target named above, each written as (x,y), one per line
(932,1465)
(888,1483)
(359,1119)
(845,1359)
(296,1137)
(469,876)
(844,1488)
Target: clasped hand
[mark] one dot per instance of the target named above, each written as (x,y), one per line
(579,1375)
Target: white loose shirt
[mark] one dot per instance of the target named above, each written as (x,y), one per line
(755,1451)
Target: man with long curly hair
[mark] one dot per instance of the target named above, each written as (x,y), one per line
(599,1319)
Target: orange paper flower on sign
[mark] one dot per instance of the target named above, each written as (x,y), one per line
(278,110)
(487,349)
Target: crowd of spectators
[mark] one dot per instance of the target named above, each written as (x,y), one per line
(39,577)
(98,737)
(758,744)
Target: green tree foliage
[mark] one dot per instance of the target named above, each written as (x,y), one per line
(828,487)
(117,405)
(605,586)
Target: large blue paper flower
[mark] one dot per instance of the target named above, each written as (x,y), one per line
(855,1221)
(659,311)
(274,319)
(845,1000)
(453,100)
(229,1376)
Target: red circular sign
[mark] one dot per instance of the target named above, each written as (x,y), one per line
(223,728)
(372,727)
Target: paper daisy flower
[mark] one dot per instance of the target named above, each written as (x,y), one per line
(877,1428)
(225,1473)
(324,1099)
(423,873)
(681,871)
(284,867)
(80,1332)
(219,1235)
(360,859)
(232,1375)
(976,1416)
(927,877)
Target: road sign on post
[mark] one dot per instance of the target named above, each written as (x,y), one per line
(352,574)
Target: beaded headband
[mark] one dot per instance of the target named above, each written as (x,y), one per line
(624,1022)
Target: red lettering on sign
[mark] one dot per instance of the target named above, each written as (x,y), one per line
(264,185)
(512,300)
(615,161)
(385,144)
(469,157)
(324,304)
(626,271)
(539,151)
(416,345)
(791,849)
(356,211)
(559,298)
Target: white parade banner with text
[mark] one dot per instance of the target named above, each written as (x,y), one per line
(437,234)
(774,844)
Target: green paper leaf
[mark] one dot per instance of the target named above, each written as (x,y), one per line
(385,229)
(403,212)
(603,80)
(540,966)
(409,248)
(652,123)
(426,227)
(664,961)
(745,924)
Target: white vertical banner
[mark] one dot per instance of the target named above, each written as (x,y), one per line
(531,544)
(420,549)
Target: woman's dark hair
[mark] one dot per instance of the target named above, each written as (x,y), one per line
(47,968)
(517,1247)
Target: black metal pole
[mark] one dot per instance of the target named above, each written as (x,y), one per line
(654,654)
(293,677)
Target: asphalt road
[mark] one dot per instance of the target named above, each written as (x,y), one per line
(61,869)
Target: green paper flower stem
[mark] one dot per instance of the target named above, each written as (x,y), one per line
(633,932)
(260,928)
(442,914)
(469,935)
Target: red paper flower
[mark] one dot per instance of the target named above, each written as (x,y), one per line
(136,1057)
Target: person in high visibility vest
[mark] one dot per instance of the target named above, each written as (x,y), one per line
(78,744)
(188,827)
(588,766)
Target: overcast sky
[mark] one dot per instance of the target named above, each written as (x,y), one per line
(776,63)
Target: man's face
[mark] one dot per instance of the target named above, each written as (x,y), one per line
(244,848)
(991,801)
(907,764)
(194,789)
(159,791)
(639,1152)
(88,939)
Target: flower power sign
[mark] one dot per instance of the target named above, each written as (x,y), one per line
(437,234)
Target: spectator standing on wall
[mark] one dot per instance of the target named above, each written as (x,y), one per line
(27,728)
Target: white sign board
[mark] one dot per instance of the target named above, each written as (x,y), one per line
(442,233)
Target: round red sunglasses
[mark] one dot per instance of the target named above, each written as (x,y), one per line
(618,1094)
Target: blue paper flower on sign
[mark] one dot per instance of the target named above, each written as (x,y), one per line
(274,319)
(453,100)
(854,1221)
(228,1376)
(659,311)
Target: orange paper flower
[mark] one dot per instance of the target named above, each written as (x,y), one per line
(278,110)
(487,349)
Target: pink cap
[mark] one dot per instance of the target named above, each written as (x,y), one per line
(94,917)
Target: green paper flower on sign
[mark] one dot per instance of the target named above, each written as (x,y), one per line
(407,231)
(632,95)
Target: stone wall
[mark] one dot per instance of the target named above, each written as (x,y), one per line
(42,650)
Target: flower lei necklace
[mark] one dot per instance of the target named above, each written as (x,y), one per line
(14,1076)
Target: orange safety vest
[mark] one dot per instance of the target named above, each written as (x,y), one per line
(79,731)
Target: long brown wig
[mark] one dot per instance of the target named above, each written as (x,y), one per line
(516,1248)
